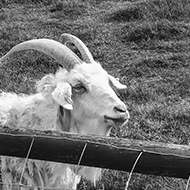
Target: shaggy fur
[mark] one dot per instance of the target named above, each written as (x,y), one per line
(75,101)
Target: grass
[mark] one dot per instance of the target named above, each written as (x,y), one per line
(154,30)
(144,42)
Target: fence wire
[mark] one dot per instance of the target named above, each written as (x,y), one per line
(21,185)
(30,187)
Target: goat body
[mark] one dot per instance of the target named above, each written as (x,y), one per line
(41,112)
(78,100)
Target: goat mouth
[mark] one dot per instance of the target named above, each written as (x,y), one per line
(115,119)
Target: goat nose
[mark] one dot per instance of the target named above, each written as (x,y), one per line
(120,108)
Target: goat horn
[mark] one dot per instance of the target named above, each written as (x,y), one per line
(86,55)
(54,49)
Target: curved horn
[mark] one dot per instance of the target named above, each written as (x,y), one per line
(54,49)
(86,55)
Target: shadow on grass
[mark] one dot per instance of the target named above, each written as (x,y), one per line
(153,30)
(70,10)
(128,13)
(168,9)
(45,2)
(149,10)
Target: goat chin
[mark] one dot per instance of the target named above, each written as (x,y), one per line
(78,98)
(15,111)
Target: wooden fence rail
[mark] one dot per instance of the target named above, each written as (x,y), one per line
(105,152)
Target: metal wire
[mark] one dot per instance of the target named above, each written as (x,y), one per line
(39,187)
(105,144)
(85,146)
(187,185)
(26,160)
(81,156)
(132,170)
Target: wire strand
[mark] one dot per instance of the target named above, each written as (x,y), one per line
(132,170)
(97,143)
(24,167)
(187,185)
(81,156)
(26,160)
(105,144)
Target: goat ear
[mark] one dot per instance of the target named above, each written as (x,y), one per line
(46,85)
(62,95)
(116,83)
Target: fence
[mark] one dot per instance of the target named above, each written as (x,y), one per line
(124,154)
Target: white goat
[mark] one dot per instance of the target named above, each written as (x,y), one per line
(76,99)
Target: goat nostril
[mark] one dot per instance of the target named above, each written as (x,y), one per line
(120,108)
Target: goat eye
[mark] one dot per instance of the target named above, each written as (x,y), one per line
(79,88)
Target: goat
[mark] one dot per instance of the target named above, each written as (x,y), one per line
(79,98)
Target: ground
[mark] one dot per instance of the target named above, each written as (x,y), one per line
(144,42)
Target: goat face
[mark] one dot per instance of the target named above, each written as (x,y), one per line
(94,105)
(83,88)
(80,99)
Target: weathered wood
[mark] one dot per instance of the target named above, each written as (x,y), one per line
(105,152)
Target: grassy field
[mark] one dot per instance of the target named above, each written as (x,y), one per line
(144,42)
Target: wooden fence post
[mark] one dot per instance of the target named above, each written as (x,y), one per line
(105,152)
